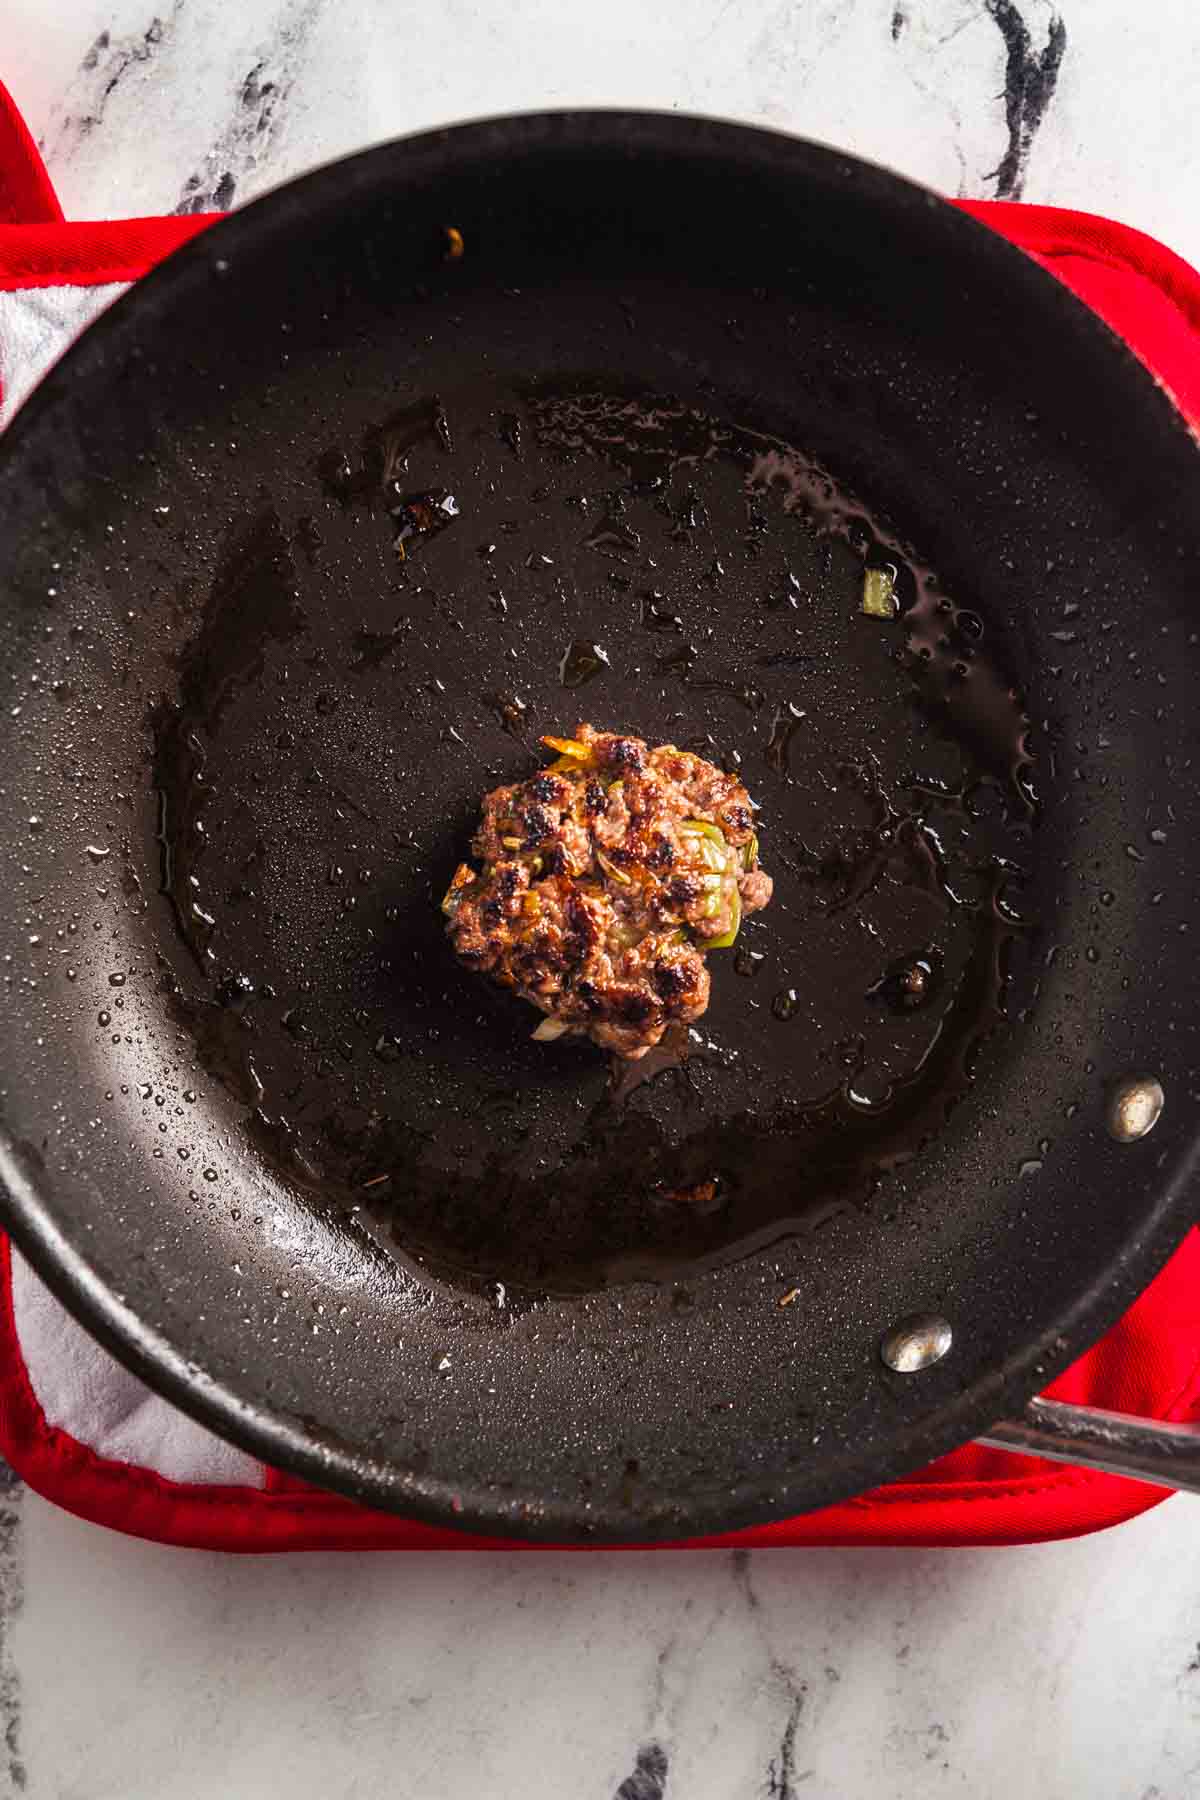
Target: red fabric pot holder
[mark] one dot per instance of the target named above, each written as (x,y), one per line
(86,1434)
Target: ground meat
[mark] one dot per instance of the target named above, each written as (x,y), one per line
(605,879)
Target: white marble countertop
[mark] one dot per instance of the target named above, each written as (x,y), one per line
(129,1672)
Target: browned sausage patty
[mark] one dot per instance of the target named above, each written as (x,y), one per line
(605,880)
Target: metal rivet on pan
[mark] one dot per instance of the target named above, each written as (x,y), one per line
(916,1343)
(1134,1106)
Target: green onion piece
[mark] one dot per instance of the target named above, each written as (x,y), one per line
(724,942)
(750,853)
(549,1029)
(701,828)
(879,592)
(610,868)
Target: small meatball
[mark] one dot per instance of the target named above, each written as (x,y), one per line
(757,888)
(604,881)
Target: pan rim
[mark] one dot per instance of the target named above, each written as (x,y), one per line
(275,1440)
(269,1434)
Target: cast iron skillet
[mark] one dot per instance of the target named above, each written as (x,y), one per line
(259,1132)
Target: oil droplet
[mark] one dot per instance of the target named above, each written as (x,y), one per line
(748,962)
(783,728)
(908,983)
(865,1099)
(510,712)
(441,1363)
(96,853)
(1107,897)
(786,1003)
(509,422)
(1030,1167)
(656,615)
(210,1174)
(104,1018)
(116,979)
(581,663)
(614,539)
(234,991)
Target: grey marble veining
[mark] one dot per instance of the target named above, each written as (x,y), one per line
(145,108)
(1064,1672)
(1068,1672)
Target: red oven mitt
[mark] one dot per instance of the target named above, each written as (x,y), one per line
(84,1432)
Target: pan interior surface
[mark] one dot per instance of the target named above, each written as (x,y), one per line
(683,386)
(634,558)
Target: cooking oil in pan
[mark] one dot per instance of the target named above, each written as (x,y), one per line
(673,575)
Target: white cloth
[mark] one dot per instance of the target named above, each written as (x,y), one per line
(36,325)
(84,1391)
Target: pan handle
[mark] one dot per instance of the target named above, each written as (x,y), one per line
(1118,1443)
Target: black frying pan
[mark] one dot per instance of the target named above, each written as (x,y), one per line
(260,1132)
